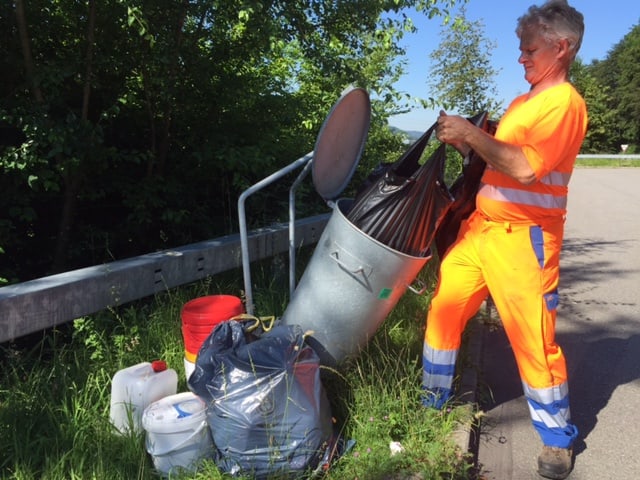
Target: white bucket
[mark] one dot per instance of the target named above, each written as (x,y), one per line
(178,435)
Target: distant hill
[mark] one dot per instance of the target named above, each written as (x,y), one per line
(413,135)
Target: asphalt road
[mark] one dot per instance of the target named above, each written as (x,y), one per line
(598,326)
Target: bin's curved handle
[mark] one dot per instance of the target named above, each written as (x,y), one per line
(334,257)
(422,287)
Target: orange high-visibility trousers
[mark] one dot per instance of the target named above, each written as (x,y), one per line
(518,265)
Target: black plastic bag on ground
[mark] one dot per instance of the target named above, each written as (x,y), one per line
(403,206)
(266,406)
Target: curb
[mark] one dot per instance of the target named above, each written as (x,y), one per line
(466,436)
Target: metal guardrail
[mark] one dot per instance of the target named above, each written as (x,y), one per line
(49,301)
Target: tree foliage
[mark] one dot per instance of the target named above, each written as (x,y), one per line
(611,87)
(462,78)
(134,125)
(598,98)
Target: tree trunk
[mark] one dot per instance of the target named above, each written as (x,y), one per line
(89,59)
(72,183)
(165,141)
(29,64)
(72,177)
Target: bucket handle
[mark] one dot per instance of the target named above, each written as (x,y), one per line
(265,322)
(173,448)
(359,269)
(420,289)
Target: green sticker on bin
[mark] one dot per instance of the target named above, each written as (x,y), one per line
(385,293)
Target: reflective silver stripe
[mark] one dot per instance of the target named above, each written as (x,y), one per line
(559,420)
(441,360)
(547,396)
(502,194)
(556,178)
(439,357)
(436,381)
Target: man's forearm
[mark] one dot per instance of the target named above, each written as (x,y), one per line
(504,157)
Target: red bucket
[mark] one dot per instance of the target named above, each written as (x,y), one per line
(201,315)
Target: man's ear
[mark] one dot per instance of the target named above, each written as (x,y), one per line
(562,48)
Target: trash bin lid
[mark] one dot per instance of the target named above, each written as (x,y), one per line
(340,143)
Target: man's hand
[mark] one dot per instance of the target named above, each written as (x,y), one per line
(450,129)
(504,157)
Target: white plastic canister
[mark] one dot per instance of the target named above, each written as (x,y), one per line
(178,436)
(136,387)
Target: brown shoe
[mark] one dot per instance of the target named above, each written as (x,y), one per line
(555,462)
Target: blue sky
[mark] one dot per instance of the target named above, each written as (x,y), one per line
(606,23)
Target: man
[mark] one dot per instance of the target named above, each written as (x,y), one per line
(509,247)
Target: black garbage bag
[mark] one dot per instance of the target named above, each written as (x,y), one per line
(402,203)
(266,406)
(463,190)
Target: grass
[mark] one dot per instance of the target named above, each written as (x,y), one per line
(607,162)
(55,393)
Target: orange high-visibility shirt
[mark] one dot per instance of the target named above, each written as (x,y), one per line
(550,128)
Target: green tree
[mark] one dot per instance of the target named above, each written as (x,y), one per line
(620,72)
(462,77)
(601,116)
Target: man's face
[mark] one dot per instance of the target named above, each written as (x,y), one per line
(539,57)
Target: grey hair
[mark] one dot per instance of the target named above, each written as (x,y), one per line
(556,20)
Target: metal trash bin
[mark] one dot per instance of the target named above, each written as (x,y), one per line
(350,285)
